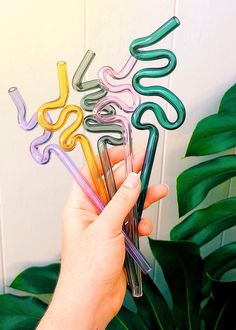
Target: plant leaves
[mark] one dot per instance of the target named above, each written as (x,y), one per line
(126,320)
(203,225)
(37,280)
(217,263)
(20,312)
(219,312)
(213,134)
(182,268)
(228,102)
(194,183)
(153,308)
(217,132)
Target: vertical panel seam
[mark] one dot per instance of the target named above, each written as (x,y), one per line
(85,46)
(162,172)
(2,264)
(169,84)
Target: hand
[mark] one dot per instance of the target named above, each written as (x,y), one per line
(92,282)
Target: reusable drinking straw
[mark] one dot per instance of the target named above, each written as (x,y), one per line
(166,94)
(91,124)
(88,101)
(45,156)
(68,139)
(103,74)
(107,71)
(132,226)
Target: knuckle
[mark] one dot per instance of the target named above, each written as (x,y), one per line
(122,196)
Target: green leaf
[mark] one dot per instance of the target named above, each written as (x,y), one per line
(217,263)
(20,312)
(194,183)
(213,134)
(153,308)
(203,225)
(228,102)
(37,280)
(182,267)
(217,132)
(127,320)
(219,312)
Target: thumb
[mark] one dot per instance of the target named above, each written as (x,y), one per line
(112,217)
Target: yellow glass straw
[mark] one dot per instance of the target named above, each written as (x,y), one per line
(68,140)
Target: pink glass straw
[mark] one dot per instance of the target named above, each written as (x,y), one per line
(107,71)
(132,226)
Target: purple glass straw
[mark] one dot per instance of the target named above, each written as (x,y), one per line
(43,158)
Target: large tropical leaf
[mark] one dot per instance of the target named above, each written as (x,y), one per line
(203,225)
(182,267)
(194,183)
(127,320)
(213,134)
(217,132)
(153,308)
(219,312)
(217,264)
(20,312)
(37,280)
(228,102)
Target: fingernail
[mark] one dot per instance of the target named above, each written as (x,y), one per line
(132,180)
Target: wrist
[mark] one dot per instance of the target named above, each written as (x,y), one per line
(71,308)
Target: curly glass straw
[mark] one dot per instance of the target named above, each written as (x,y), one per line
(107,71)
(88,101)
(166,94)
(68,139)
(132,226)
(92,125)
(43,158)
(103,74)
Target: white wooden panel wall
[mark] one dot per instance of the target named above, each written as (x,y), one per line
(34,36)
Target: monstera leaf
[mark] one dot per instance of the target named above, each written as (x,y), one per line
(37,280)
(219,312)
(203,225)
(213,134)
(228,102)
(182,267)
(217,132)
(217,264)
(194,183)
(153,308)
(20,312)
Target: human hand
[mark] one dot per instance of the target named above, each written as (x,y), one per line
(92,281)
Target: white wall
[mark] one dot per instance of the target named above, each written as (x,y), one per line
(34,36)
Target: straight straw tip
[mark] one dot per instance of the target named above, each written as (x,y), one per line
(176,20)
(61,63)
(12,89)
(91,52)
